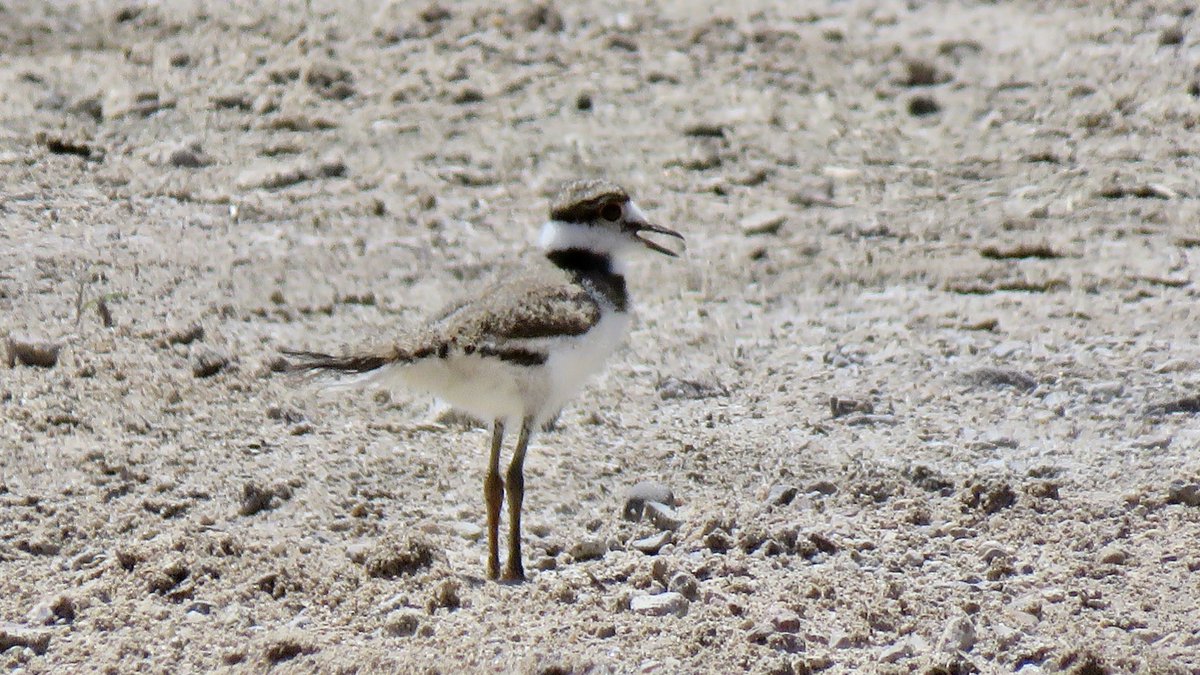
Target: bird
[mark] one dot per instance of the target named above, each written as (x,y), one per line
(514,353)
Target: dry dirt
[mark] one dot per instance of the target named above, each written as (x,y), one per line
(973,224)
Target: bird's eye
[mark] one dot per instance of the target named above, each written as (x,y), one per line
(611,211)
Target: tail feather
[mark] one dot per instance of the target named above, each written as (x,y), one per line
(307,362)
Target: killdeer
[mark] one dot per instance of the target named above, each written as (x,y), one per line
(520,349)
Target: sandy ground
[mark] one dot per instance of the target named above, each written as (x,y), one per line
(924,389)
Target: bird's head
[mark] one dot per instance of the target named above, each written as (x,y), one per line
(599,217)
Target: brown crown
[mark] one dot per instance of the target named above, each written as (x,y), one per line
(580,201)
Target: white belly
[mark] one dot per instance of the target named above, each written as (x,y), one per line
(489,388)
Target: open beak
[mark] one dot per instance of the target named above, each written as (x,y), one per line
(638,228)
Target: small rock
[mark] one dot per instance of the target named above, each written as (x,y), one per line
(208,362)
(542,16)
(923,106)
(651,545)
(823,487)
(188,157)
(1186,404)
(989,495)
(184,336)
(467,95)
(122,102)
(991,550)
(31,353)
(235,99)
(1112,555)
(784,620)
(444,596)
(705,130)
(403,622)
(391,558)
(840,406)
(330,81)
(1153,442)
(466,530)
(958,636)
(435,13)
(19,635)
(200,608)
(897,652)
(670,388)
(645,491)
(1101,392)
(922,73)
(358,552)
(182,155)
(663,516)
(272,176)
(589,549)
(814,191)
(717,541)
(256,498)
(1010,348)
(686,584)
(1172,35)
(781,495)
(865,420)
(58,609)
(1187,494)
(659,605)
(764,222)
(1000,377)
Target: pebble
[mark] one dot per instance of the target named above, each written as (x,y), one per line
(272,176)
(208,362)
(1057,398)
(32,353)
(992,550)
(643,492)
(781,495)
(663,516)
(1187,494)
(958,636)
(20,635)
(897,652)
(1001,377)
(1112,554)
(659,605)
(1010,348)
(1176,366)
(1153,442)
(685,584)
(358,552)
(466,530)
(589,549)
(784,620)
(763,222)
(670,388)
(403,622)
(1105,391)
(921,106)
(56,609)
(188,157)
(651,545)
(823,487)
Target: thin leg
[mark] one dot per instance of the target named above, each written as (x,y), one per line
(493,496)
(515,488)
